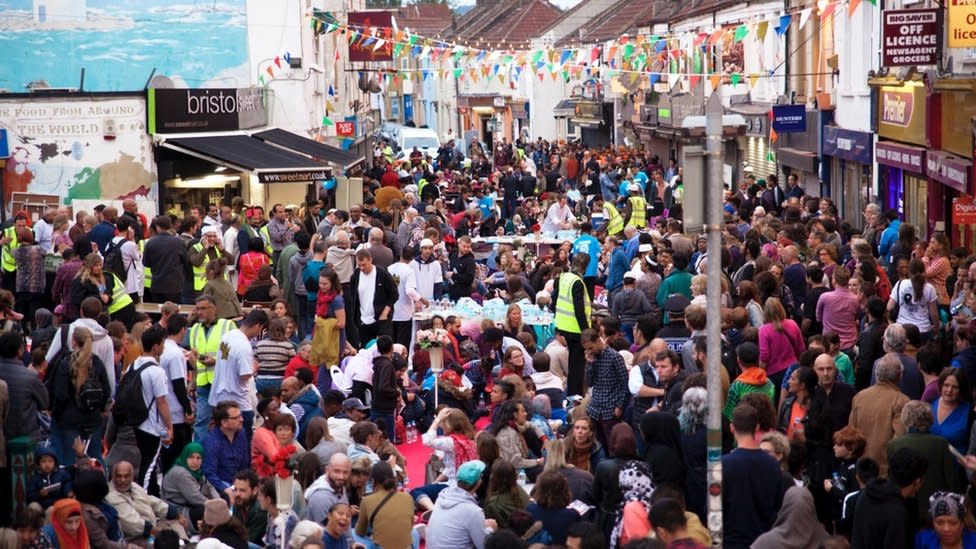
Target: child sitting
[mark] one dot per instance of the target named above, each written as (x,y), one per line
(49,482)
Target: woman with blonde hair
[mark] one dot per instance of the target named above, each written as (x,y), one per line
(80,392)
(557,460)
(780,341)
(513,324)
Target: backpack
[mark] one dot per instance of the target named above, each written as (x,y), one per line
(91,396)
(130,407)
(113,258)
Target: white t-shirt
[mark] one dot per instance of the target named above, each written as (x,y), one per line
(154,385)
(174,365)
(556,216)
(427,276)
(911,311)
(406,281)
(235,358)
(367,290)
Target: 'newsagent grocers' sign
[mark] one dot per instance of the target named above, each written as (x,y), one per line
(911,37)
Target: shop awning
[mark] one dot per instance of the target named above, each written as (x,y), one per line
(566,107)
(318,151)
(802,160)
(243,153)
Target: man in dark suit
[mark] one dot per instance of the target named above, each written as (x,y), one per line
(369,301)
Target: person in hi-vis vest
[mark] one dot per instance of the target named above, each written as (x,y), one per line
(571,303)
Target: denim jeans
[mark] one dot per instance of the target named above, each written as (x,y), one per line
(262,383)
(63,437)
(201,423)
(389,423)
(304,328)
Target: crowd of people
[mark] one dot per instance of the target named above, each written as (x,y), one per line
(848,356)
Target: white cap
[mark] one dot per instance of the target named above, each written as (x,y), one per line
(426,243)
(208,229)
(632,275)
(403,173)
(634,188)
(644,248)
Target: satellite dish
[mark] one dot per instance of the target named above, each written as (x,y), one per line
(161,81)
(374,87)
(364,82)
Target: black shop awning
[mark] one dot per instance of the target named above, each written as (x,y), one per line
(318,151)
(271,164)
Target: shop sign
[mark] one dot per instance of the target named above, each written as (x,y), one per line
(962,23)
(963,210)
(592,110)
(4,144)
(847,144)
(371,26)
(911,37)
(345,129)
(948,169)
(301,176)
(790,118)
(901,113)
(206,110)
(900,156)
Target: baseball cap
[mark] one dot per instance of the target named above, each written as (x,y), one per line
(354,403)
(644,248)
(676,303)
(470,472)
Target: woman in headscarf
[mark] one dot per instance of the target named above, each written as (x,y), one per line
(634,481)
(607,491)
(185,486)
(664,448)
(44,328)
(67,528)
(796,525)
(949,523)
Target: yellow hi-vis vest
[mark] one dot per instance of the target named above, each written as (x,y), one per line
(200,273)
(638,212)
(7,258)
(266,236)
(565,314)
(615,221)
(146,271)
(120,298)
(207,344)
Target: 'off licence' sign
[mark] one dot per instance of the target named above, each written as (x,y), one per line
(912,37)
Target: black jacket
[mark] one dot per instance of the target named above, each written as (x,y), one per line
(81,290)
(27,395)
(579,304)
(883,518)
(64,408)
(870,348)
(166,256)
(385,386)
(462,281)
(385,295)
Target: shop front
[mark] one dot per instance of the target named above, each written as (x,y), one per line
(204,154)
(755,152)
(951,146)
(486,114)
(848,155)
(900,152)
(594,118)
(953,172)
(797,148)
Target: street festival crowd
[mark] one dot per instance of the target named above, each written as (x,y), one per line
(534,315)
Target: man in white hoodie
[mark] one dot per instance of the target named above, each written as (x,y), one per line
(102,347)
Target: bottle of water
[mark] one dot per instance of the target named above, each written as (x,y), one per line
(411,433)
(522,479)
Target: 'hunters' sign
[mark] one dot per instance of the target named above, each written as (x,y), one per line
(911,37)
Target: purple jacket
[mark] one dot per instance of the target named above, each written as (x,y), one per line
(61,291)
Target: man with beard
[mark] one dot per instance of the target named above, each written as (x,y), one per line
(329,489)
(246,507)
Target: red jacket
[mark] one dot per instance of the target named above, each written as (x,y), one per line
(390,179)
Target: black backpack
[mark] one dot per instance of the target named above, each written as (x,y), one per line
(130,408)
(91,395)
(113,258)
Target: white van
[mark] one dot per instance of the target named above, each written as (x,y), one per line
(425,139)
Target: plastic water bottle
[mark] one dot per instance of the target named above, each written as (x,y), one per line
(150,541)
(522,479)
(411,432)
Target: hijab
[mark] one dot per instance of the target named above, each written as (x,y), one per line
(43,318)
(662,439)
(188,450)
(64,509)
(796,525)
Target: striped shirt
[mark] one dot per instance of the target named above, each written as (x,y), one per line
(273,357)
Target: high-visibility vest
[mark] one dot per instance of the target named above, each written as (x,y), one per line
(146,271)
(207,344)
(266,236)
(200,273)
(420,188)
(120,298)
(638,212)
(565,314)
(615,221)
(9,264)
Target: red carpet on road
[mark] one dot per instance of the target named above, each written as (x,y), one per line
(417,455)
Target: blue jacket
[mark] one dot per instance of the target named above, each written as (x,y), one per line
(888,238)
(309,401)
(222,459)
(618,266)
(39,480)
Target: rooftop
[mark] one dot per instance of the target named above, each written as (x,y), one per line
(424,19)
(513,22)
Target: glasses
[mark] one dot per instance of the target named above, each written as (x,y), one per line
(238,416)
